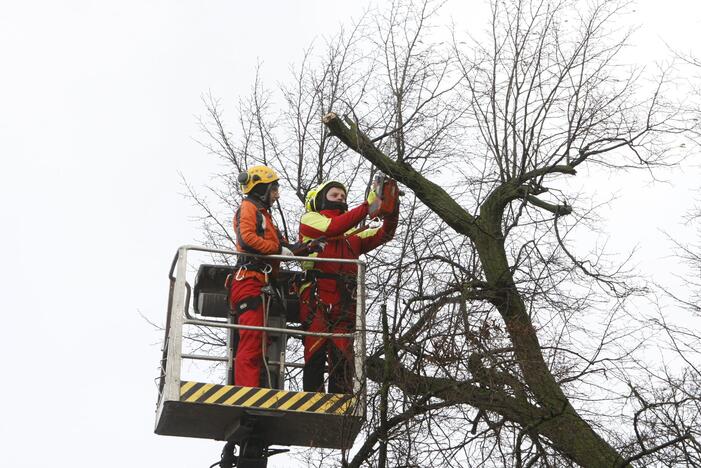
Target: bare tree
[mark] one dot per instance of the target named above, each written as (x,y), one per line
(668,400)
(497,338)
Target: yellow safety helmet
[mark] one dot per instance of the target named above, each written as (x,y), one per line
(313,200)
(256,175)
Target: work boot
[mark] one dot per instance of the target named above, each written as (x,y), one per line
(313,373)
(341,372)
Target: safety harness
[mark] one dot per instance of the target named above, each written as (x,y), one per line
(345,284)
(245,262)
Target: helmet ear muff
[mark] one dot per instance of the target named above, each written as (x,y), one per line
(245,178)
(254,176)
(319,200)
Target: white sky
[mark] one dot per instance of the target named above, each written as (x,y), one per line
(98,106)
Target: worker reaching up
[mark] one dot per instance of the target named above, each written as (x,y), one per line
(256,233)
(327,298)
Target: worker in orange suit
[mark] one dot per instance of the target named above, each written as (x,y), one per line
(256,233)
(327,297)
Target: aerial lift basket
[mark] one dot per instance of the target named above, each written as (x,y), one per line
(222,411)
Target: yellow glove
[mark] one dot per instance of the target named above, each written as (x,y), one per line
(372,196)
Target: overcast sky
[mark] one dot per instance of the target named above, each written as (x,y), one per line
(98,111)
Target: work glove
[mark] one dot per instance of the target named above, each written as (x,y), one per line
(286,251)
(317,245)
(372,196)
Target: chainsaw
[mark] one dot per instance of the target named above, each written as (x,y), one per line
(387,199)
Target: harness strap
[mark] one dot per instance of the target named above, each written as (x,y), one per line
(313,304)
(249,303)
(346,287)
(260,267)
(346,283)
(318,274)
(253,263)
(259,224)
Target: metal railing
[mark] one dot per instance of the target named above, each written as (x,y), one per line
(179,316)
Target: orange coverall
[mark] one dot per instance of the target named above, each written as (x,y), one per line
(255,233)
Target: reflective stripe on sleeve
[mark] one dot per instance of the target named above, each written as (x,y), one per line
(367,233)
(316,221)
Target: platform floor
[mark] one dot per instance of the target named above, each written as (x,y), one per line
(282,417)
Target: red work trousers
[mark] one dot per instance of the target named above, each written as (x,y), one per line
(327,313)
(249,354)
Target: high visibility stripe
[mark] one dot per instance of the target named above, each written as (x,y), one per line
(308,265)
(367,233)
(316,220)
(267,398)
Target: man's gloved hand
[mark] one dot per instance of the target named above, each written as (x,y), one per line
(395,213)
(372,196)
(317,245)
(286,251)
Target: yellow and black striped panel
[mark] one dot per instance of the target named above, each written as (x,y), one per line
(267,398)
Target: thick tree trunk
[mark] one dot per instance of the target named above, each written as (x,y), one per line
(570,434)
(553,416)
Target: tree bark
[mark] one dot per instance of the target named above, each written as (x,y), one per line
(553,416)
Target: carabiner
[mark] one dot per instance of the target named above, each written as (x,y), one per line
(240,273)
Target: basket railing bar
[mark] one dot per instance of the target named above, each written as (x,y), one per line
(359,342)
(204,357)
(174,340)
(273,257)
(164,349)
(289,331)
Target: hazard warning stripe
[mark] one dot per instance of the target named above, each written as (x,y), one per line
(186,387)
(275,398)
(237,396)
(308,404)
(296,401)
(187,391)
(338,405)
(267,398)
(217,395)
